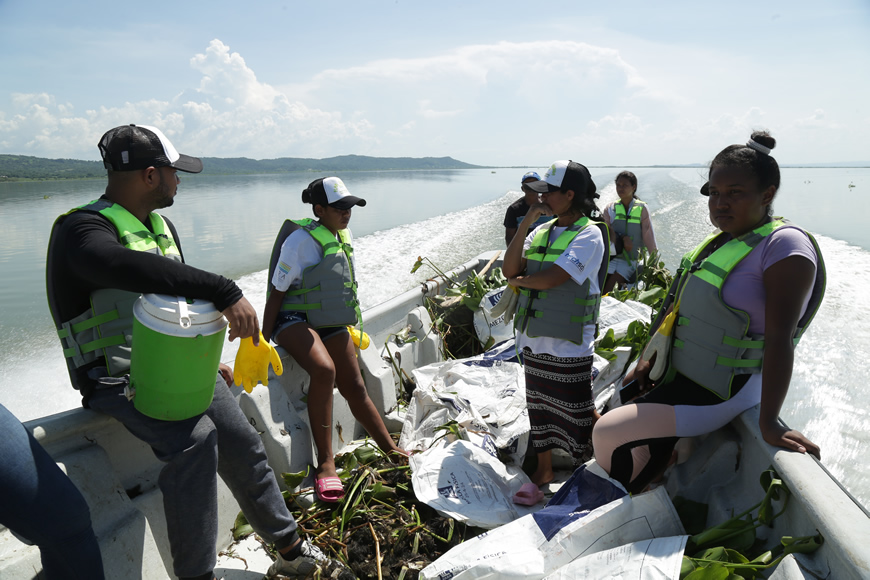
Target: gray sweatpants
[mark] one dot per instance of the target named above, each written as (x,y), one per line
(195,451)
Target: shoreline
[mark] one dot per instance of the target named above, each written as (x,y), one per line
(4,179)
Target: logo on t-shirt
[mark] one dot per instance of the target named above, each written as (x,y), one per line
(576,262)
(282,271)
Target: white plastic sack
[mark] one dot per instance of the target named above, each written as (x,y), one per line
(486,325)
(658,559)
(522,549)
(462,481)
(618,315)
(489,402)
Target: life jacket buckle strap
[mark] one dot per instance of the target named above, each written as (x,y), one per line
(739,363)
(68,341)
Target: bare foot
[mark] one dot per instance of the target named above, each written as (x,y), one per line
(543,478)
(326,469)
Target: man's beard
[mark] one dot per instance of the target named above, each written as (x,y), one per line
(163,194)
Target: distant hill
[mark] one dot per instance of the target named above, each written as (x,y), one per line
(242,165)
(15,167)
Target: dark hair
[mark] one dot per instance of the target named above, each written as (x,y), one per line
(308,194)
(632,179)
(584,201)
(762,165)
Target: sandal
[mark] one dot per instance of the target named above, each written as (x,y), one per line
(329,489)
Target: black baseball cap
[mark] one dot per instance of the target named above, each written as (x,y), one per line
(132,147)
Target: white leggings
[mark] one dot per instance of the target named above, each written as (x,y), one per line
(644,434)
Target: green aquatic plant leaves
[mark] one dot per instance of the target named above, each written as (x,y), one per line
(453,310)
(294,480)
(801,545)
(713,572)
(241,527)
(636,337)
(722,547)
(775,490)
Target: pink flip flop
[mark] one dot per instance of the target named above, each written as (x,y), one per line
(528,494)
(329,489)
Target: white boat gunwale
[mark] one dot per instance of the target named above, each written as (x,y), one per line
(118,473)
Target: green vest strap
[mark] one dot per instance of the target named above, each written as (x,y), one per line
(740,363)
(104,342)
(86,324)
(730,341)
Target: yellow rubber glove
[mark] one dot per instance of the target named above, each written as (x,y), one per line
(360,339)
(660,345)
(252,363)
(507,304)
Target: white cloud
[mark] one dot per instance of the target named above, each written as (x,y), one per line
(818,120)
(527,71)
(627,124)
(428,112)
(500,103)
(230,113)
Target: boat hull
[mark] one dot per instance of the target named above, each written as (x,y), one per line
(118,474)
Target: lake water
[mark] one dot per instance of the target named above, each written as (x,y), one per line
(228,224)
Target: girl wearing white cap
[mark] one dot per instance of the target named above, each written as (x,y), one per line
(311,302)
(558,269)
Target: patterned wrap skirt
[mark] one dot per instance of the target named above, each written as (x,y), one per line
(560,403)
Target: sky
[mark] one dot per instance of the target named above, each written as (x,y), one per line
(496,83)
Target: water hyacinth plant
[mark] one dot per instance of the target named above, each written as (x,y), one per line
(379,529)
(452,313)
(718,550)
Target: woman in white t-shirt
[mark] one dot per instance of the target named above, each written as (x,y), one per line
(312,301)
(556,267)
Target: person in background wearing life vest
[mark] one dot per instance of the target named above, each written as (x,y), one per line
(518,209)
(101,257)
(559,269)
(312,300)
(742,299)
(630,230)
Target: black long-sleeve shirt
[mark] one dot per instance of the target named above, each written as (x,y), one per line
(87,255)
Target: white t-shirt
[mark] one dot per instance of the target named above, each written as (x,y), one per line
(299,251)
(581,260)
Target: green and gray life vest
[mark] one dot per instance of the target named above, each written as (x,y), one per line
(106,328)
(629,225)
(327,293)
(711,344)
(560,312)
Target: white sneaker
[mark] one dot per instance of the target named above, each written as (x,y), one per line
(311,560)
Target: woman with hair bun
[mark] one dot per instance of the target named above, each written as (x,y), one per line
(311,302)
(630,230)
(742,299)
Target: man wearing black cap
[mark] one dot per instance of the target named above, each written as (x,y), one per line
(518,209)
(118,247)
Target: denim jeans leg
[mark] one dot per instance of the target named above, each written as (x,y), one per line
(42,504)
